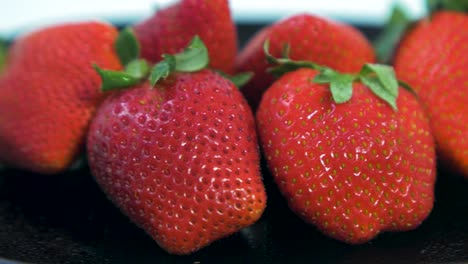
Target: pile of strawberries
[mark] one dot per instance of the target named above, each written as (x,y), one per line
(176,145)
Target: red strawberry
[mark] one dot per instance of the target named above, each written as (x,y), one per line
(433,59)
(49,91)
(354,168)
(181,159)
(317,39)
(169,30)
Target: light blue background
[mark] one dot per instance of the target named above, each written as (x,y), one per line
(19,16)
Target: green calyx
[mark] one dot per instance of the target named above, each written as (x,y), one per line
(127,46)
(400,23)
(394,29)
(3,55)
(193,58)
(453,5)
(239,79)
(380,79)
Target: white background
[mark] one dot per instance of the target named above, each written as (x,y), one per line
(19,16)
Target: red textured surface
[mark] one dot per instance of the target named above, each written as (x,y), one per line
(353,169)
(49,92)
(181,160)
(169,30)
(311,38)
(433,59)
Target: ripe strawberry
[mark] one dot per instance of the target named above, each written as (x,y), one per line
(169,30)
(353,168)
(433,59)
(181,159)
(317,39)
(49,91)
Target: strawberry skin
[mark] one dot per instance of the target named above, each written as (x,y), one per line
(433,59)
(48,93)
(181,159)
(169,30)
(353,169)
(311,38)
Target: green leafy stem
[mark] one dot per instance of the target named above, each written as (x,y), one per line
(3,54)
(453,5)
(193,58)
(380,79)
(394,29)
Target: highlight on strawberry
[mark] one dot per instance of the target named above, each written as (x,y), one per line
(353,154)
(175,148)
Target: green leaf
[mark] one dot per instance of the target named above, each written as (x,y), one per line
(266,49)
(127,46)
(115,79)
(137,68)
(385,74)
(3,55)
(382,82)
(80,163)
(161,70)
(386,42)
(407,87)
(374,84)
(281,69)
(453,5)
(284,64)
(325,76)
(341,85)
(286,50)
(239,79)
(193,58)
(432,5)
(456,5)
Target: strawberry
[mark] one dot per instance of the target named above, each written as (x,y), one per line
(326,42)
(352,154)
(180,159)
(170,29)
(432,58)
(49,91)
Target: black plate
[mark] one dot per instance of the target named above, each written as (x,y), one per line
(67,219)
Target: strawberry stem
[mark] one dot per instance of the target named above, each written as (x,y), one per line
(453,5)
(127,46)
(341,85)
(380,79)
(239,79)
(112,80)
(386,42)
(284,64)
(3,54)
(193,58)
